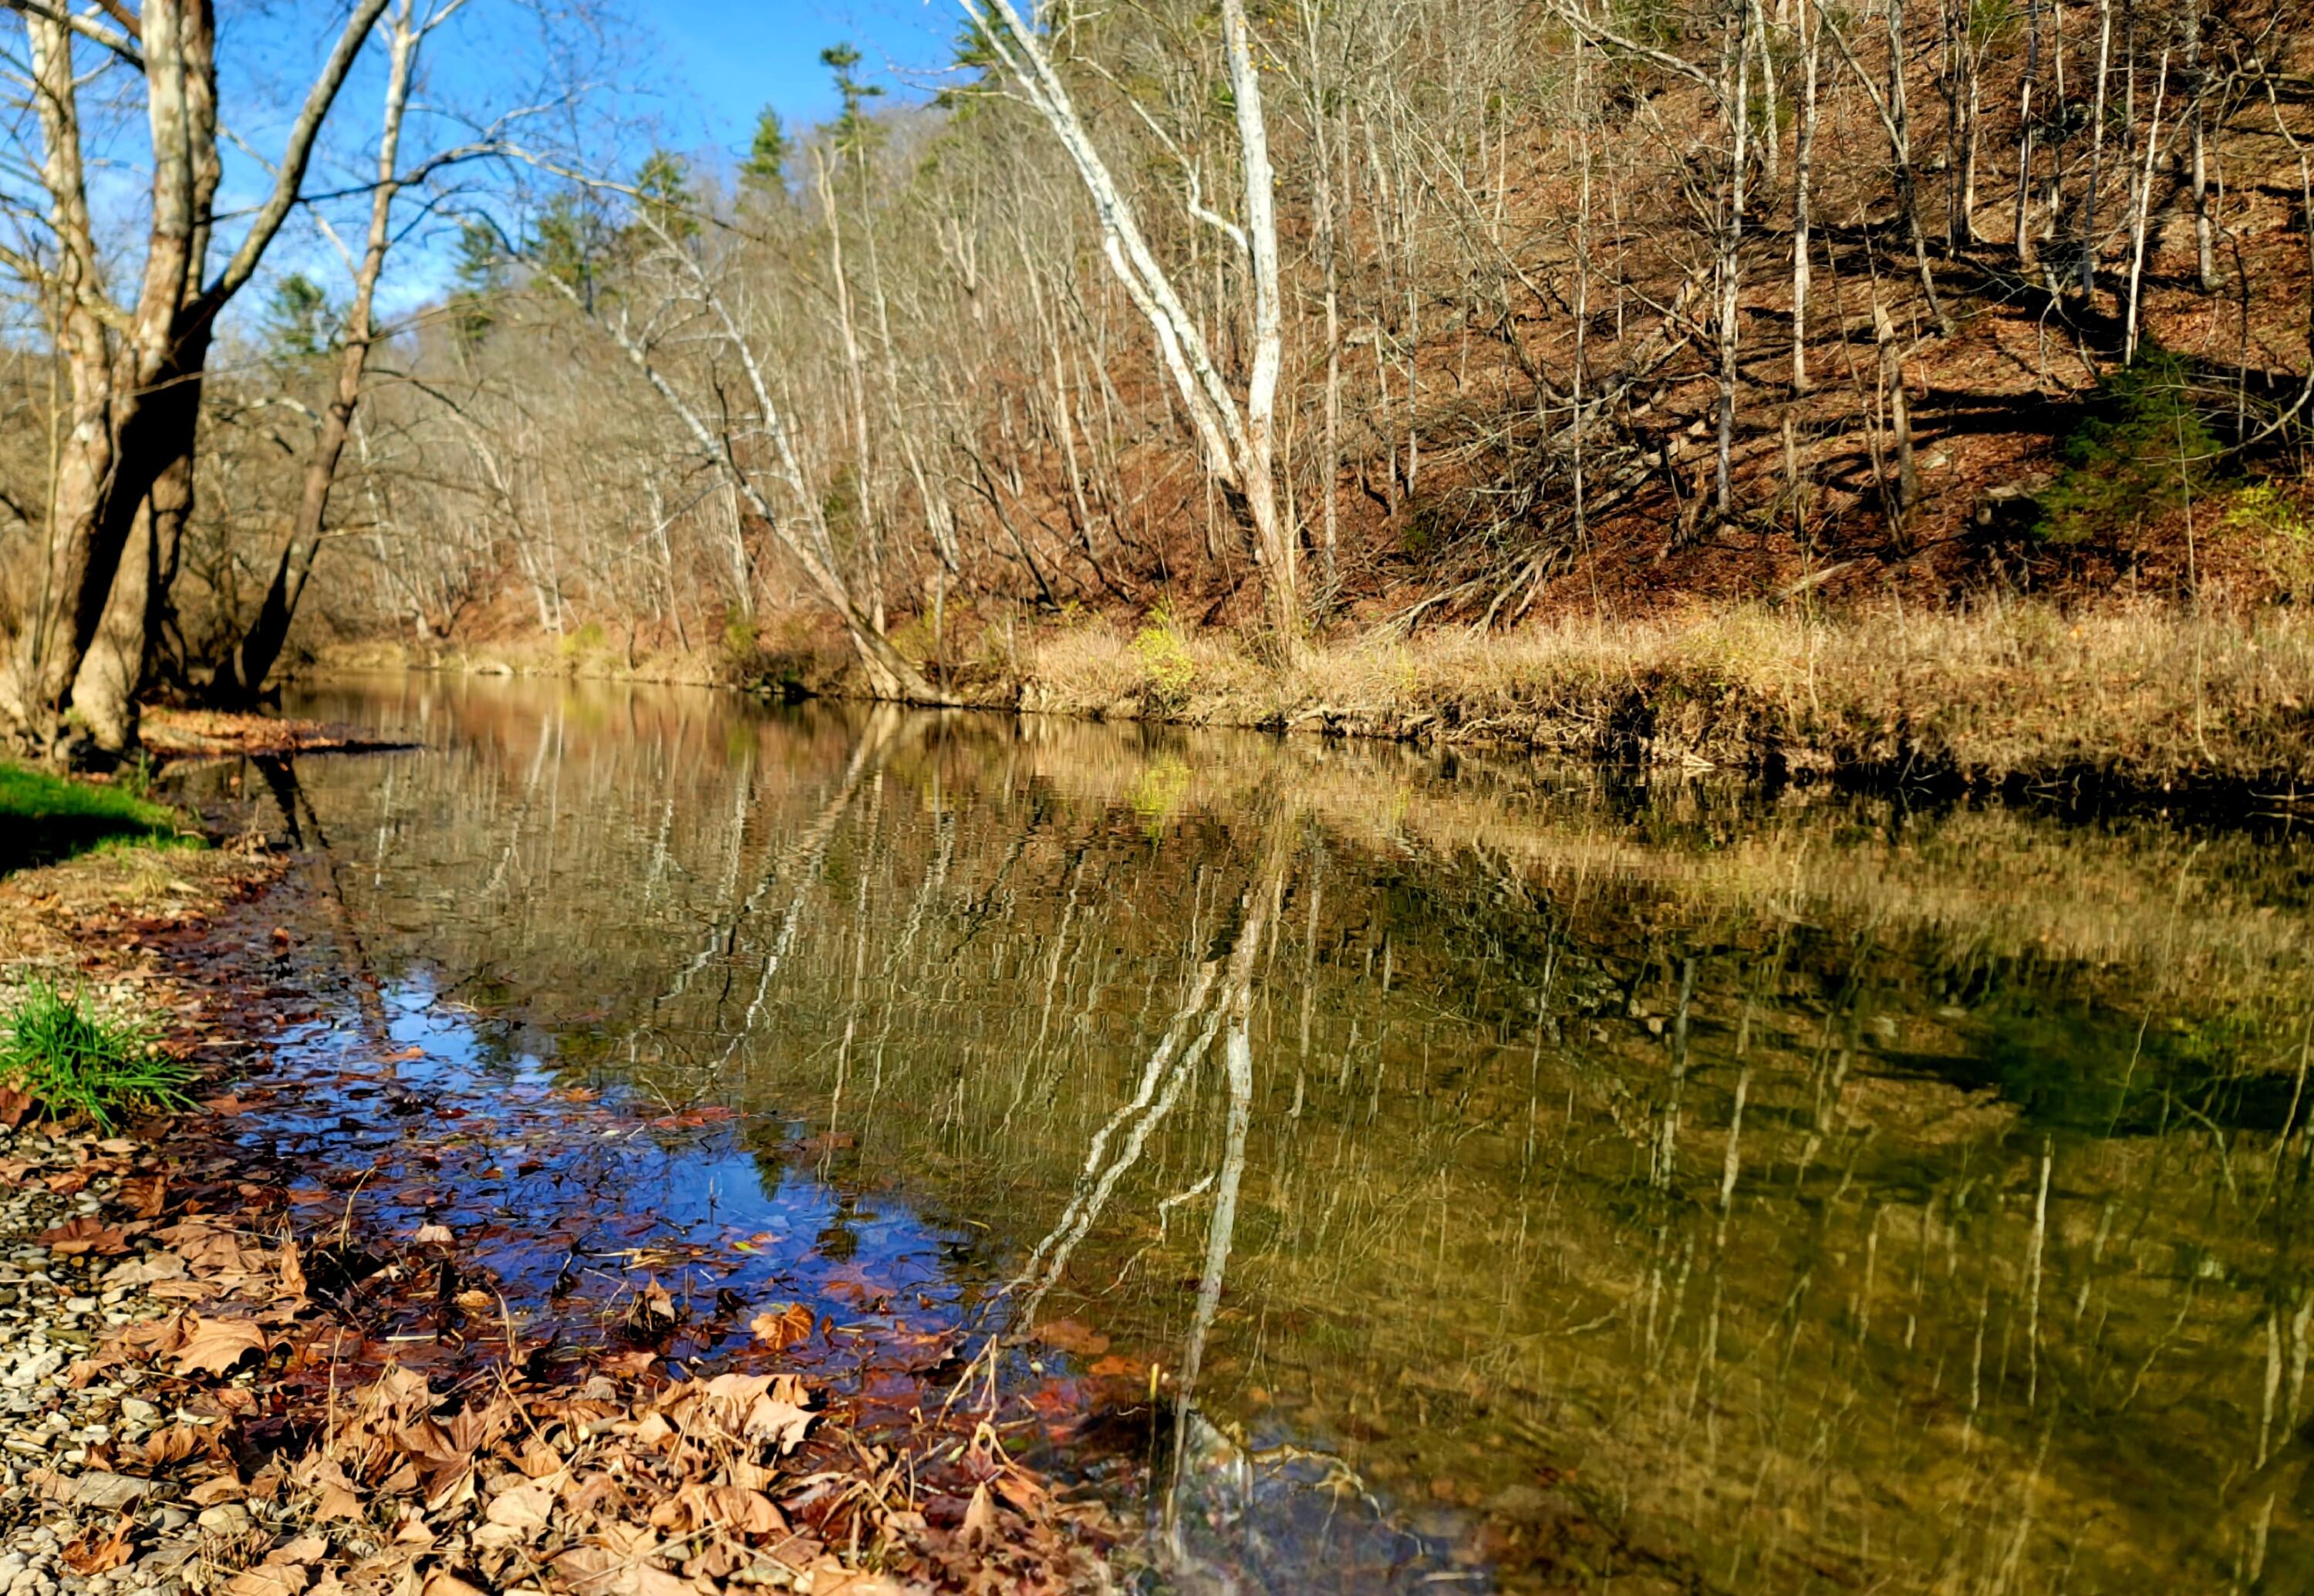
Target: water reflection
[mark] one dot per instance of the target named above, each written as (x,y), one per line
(1513,1182)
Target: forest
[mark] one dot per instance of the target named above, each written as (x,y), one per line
(1741,383)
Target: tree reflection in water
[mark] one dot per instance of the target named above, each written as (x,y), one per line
(1596,1186)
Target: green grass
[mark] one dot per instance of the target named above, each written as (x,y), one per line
(45,818)
(72,1059)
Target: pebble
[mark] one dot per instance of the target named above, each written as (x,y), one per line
(50,1309)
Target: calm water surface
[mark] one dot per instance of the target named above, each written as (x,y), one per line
(1533,1183)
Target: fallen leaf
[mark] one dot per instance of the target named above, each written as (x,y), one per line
(782,1327)
(293,1272)
(773,1419)
(172,1445)
(216,1344)
(145,1194)
(274,1579)
(14,1105)
(97,1551)
(524,1508)
(83,1235)
(979,1528)
(658,1581)
(304,1549)
(225,1487)
(748,1512)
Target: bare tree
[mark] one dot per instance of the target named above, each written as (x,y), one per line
(135,372)
(1240,443)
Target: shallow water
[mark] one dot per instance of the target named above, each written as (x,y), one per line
(1520,1180)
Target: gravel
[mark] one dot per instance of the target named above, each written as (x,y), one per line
(52,1311)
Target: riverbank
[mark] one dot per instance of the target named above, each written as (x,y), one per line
(249,1349)
(2015,695)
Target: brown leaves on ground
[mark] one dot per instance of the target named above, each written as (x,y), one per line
(599,1490)
(15,1106)
(100,1550)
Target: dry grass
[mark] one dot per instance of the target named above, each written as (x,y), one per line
(1997,693)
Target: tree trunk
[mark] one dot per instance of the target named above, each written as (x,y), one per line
(2096,148)
(1277,544)
(2204,227)
(1802,177)
(2141,217)
(1731,275)
(2026,253)
(1237,443)
(135,410)
(1900,409)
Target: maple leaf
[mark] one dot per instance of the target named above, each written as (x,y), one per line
(216,1344)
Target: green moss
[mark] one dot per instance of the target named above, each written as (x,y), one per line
(44,818)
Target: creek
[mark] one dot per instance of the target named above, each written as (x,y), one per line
(1508,1176)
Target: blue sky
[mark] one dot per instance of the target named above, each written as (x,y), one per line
(736,56)
(690,74)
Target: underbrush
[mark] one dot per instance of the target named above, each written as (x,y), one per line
(71,1059)
(44,818)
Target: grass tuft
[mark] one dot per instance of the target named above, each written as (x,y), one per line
(71,1059)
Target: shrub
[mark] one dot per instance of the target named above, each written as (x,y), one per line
(1164,651)
(742,639)
(589,638)
(2141,451)
(71,1059)
(2285,539)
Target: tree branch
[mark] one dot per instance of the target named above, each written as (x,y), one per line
(294,157)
